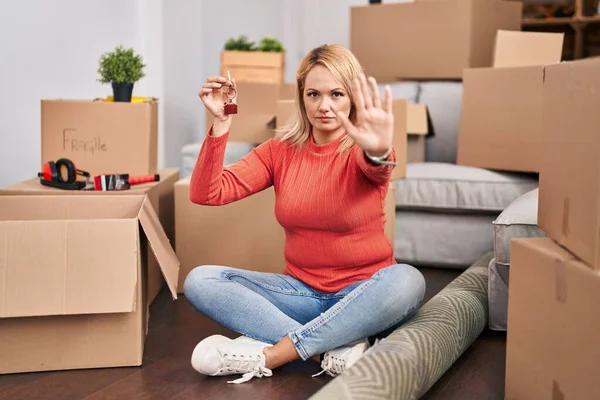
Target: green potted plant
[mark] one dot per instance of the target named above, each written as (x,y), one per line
(250,62)
(240,43)
(270,44)
(122,68)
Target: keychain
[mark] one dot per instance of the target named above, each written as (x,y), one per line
(231,107)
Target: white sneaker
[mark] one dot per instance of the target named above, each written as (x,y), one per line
(218,355)
(340,359)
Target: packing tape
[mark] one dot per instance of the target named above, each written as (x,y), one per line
(560,282)
(557,394)
(565,218)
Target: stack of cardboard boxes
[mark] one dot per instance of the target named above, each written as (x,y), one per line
(524,111)
(79,269)
(554,289)
(427,40)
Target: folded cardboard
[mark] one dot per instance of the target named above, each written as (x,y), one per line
(429,39)
(553,322)
(501,112)
(73,280)
(418,129)
(257,107)
(160,194)
(101,137)
(527,48)
(243,234)
(569,189)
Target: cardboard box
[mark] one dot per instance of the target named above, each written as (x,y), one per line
(73,280)
(254,66)
(553,324)
(160,194)
(257,106)
(243,234)
(284,111)
(501,111)
(418,128)
(101,137)
(411,122)
(429,39)
(569,188)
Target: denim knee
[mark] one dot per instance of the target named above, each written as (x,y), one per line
(407,280)
(199,277)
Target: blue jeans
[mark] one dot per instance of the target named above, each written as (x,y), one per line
(268,306)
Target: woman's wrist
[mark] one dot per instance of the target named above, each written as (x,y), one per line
(381,159)
(382,155)
(221,126)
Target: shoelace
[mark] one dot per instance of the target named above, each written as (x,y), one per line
(335,365)
(250,366)
(332,365)
(258,372)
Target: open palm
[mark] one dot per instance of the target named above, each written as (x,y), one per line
(373,129)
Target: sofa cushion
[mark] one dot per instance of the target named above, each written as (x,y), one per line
(443,100)
(408,90)
(457,188)
(519,219)
(233,152)
(443,240)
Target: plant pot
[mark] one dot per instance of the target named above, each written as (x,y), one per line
(254,66)
(122,91)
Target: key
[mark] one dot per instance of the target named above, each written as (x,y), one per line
(231,107)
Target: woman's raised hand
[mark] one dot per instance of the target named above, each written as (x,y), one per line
(373,129)
(215,93)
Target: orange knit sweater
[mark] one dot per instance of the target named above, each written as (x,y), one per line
(330,204)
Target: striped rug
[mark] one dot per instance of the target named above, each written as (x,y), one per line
(412,358)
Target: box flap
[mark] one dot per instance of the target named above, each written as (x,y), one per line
(69,207)
(67,267)
(521,48)
(161,247)
(416,119)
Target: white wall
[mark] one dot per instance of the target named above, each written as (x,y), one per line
(50,49)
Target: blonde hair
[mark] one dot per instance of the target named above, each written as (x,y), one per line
(344,66)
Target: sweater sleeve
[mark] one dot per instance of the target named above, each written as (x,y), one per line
(213,184)
(378,174)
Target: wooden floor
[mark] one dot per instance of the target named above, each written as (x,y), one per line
(175,328)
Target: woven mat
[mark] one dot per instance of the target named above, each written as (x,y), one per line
(413,357)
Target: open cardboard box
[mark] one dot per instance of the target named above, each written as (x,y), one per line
(501,112)
(160,194)
(73,273)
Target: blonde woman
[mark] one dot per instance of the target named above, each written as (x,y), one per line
(330,170)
